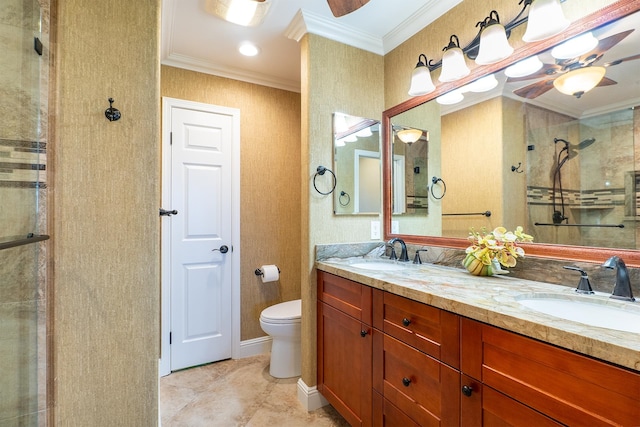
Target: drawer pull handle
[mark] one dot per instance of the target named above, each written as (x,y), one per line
(406,381)
(363,334)
(406,322)
(467,390)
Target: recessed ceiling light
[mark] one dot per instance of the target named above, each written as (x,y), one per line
(248,49)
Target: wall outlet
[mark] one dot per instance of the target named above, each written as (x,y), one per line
(395,227)
(375,230)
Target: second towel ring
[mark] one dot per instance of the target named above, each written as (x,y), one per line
(320,171)
(434,181)
(344,198)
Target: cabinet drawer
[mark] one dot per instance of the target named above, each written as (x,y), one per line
(415,383)
(346,295)
(429,329)
(385,414)
(568,387)
(499,410)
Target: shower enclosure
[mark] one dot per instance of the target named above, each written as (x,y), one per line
(23,300)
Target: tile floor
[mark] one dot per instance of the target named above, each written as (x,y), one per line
(237,393)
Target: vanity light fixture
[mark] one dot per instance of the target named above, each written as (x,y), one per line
(364,133)
(579,81)
(454,66)
(491,44)
(494,46)
(524,68)
(546,19)
(409,136)
(248,13)
(421,83)
(350,138)
(483,84)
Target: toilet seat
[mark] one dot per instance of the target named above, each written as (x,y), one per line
(285,312)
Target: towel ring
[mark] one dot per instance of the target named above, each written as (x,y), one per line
(344,195)
(320,171)
(434,181)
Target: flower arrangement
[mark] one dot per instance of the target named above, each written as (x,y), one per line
(490,250)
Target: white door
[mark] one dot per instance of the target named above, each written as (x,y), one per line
(201,238)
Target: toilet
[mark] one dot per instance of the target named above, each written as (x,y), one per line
(282,323)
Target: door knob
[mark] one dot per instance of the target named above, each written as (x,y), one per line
(223,249)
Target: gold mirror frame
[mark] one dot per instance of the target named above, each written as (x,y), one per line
(604,16)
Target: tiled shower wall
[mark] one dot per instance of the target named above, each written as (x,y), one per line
(23,118)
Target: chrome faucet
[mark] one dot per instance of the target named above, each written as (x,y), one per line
(622,288)
(403,255)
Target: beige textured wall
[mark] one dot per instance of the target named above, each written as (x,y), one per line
(269,194)
(335,77)
(104,205)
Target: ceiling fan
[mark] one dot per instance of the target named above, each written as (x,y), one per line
(343,7)
(550,72)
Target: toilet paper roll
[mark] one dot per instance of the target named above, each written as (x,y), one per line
(270,273)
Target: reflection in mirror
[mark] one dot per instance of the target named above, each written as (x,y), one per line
(546,147)
(356,162)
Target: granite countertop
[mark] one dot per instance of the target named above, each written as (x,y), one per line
(494,300)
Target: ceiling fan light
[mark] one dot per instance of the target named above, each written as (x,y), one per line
(524,68)
(494,46)
(421,83)
(575,47)
(248,13)
(409,136)
(579,81)
(546,19)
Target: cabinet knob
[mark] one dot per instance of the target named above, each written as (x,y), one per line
(406,322)
(406,381)
(363,334)
(467,390)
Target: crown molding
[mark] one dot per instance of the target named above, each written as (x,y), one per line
(201,66)
(432,10)
(306,22)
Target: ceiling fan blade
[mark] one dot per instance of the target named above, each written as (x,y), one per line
(343,7)
(546,71)
(534,90)
(606,81)
(618,61)
(605,44)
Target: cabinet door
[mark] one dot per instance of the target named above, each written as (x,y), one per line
(568,387)
(429,329)
(420,386)
(346,295)
(344,364)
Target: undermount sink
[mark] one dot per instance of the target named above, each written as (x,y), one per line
(599,312)
(378,265)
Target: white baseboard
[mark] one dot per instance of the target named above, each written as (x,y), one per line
(254,347)
(310,397)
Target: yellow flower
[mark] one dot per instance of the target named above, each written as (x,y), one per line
(500,244)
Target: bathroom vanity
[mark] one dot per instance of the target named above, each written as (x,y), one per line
(430,345)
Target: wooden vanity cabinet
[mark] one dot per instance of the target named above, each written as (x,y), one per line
(525,382)
(345,346)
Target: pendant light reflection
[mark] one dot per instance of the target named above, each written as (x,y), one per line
(450,98)
(409,136)
(421,83)
(524,68)
(454,66)
(546,19)
(575,47)
(494,46)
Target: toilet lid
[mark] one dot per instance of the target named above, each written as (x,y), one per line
(290,310)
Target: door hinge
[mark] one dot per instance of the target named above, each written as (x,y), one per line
(170,337)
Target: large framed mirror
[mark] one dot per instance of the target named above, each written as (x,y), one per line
(520,152)
(357,165)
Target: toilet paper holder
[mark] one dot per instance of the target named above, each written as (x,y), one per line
(259,272)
